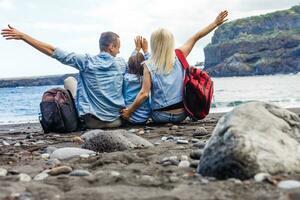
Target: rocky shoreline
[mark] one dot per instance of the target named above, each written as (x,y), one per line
(30,168)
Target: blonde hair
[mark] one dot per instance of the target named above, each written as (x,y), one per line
(162,49)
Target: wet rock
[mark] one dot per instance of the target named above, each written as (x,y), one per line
(41,176)
(289,184)
(200,131)
(254,137)
(194,164)
(80,172)
(196,154)
(182,141)
(24,177)
(184,164)
(69,152)
(3,172)
(260,177)
(113,140)
(60,170)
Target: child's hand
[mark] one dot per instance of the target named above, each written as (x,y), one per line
(126,113)
(145,45)
(221,18)
(138,43)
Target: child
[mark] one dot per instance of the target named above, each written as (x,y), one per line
(133,81)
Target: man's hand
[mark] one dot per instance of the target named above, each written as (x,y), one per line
(221,18)
(138,43)
(145,45)
(11,33)
(126,113)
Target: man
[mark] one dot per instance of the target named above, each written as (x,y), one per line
(99,90)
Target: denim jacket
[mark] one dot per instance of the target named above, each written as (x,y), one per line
(100,83)
(166,89)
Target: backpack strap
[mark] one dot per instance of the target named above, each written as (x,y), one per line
(182,59)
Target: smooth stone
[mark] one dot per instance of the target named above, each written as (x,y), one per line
(195,140)
(115,173)
(133,130)
(173,160)
(260,177)
(3,172)
(80,172)
(184,157)
(29,136)
(196,154)
(17,144)
(69,152)
(194,164)
(254,137)
(84,156)
(41,176)
(235,181)
(184,164)
(200,144)
(24,177)
(141,132)
(45,156)
(182,141)
(5,143)
(113,140)
(289,184)
(60,170)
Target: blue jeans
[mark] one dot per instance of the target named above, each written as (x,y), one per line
(165,117)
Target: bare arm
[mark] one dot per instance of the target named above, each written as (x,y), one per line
(11,33)
(141,97)
(187,47)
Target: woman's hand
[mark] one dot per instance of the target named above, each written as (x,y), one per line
(126,113)
(138,43)
(221,18)
(11,33)
(145,45)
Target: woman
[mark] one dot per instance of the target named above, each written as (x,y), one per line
(163,75)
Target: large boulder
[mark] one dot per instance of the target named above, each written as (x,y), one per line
(112,140)
(254,137)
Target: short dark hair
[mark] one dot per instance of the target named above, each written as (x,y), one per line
(106,39)
(135,64)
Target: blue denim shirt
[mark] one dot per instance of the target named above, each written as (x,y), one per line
(166,89)
(100,82)
(131,87)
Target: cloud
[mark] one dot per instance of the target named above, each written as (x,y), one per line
(7,5)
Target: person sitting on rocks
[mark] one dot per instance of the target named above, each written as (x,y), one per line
(163,75)
(133,82)
(99,96)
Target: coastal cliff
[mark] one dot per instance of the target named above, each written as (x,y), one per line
(259,45)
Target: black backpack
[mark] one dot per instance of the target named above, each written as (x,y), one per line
(58,111)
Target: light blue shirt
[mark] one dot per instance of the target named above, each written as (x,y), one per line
(166,89)
(100,83)
(131,88)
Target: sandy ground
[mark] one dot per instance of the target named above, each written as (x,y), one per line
(132,174)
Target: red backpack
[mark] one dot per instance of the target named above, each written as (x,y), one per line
(198,89)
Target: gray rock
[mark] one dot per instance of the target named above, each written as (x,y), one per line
(69,152)
(254,137)
(3,172)
(80,172)
(260,177)
(5,143)
(60,170)
(53,162)
(41,176)
(200,144)
(194,164)
(289,184)
(195,140)
(173,160)
(184,164)
(49,150)
(113,140)
(174,127)
(182,141)
(196,154)
(24,177)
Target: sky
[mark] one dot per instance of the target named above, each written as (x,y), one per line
(76,25)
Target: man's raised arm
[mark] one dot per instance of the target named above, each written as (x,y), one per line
(11,33)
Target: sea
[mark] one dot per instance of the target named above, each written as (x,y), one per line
(21,104)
